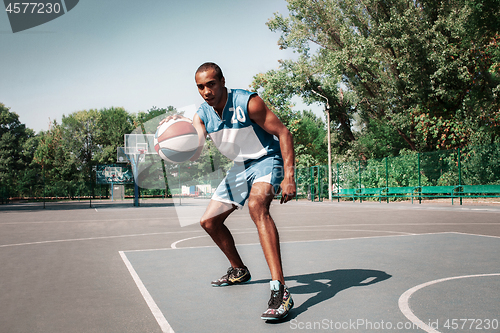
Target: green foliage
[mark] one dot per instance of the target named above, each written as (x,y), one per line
(425,70)
(148,120)
(309,135)
(480,165)
(15,152)
(113,124)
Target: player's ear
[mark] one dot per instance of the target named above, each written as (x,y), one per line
(223,80)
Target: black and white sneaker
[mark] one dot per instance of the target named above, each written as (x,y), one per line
(233,276)
(280,304)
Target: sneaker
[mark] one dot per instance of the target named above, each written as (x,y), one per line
(280,304)
(233,276)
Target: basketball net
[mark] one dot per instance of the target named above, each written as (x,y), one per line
(141,155)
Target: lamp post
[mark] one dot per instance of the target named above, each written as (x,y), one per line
(327,111)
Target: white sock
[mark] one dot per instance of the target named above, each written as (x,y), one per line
(275,285)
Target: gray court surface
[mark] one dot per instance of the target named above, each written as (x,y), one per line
(351,267)
(353,284)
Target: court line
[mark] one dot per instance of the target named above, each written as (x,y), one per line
(295,241)
(107,237)
(160,318)
(405,297)
(141,219)
(403,300)
(174,244)
(93,238)
(468,234)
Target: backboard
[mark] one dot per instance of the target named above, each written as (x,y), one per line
(114,174)
(121,157)
(139,144)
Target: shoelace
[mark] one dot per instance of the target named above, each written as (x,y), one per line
(275,300)
(226,277)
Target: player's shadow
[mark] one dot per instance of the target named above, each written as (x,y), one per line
(326,285)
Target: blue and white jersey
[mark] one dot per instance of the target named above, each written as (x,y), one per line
(235,135)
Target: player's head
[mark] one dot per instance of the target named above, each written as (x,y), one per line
(211,85)
(211,66)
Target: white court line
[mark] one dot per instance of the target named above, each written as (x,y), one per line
(160,318)
(468,234)
(407,312)
(140,219)
(92,238)
(290,242)
(405,297)
(174,244)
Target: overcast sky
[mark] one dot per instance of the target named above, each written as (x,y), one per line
(132,54)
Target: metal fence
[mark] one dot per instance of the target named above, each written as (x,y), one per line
(451,172)
(455,172)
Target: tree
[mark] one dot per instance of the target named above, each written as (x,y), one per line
(419,67)
(81,129)
(60,169)
(148,121)
(309,136)
(13,160)
(112,123)
(29,178)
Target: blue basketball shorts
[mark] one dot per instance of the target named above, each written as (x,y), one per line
(235,187)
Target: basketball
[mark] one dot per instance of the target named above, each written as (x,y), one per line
(176,141)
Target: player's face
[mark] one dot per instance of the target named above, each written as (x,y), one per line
(211,89)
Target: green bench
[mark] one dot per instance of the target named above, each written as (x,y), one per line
(348,192)
(360,193)
(480,191)
(452,191)
(370,192)
(439,192)
(401,192)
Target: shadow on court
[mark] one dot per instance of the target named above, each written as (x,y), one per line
(336,281)
(359,291)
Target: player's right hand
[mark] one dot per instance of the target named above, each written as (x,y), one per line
(173,117)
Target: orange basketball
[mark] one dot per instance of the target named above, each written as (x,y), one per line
(176,141)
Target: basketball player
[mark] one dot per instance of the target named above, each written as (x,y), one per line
(246,131)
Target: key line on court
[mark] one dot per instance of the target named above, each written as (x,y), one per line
(404,306)
(160,318)
(301,241)
(174,244)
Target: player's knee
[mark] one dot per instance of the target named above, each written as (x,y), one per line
(207,224)
(257,209)
(252,204)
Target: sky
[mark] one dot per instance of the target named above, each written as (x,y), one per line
(132,54)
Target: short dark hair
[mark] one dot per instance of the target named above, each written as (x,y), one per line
(210,65)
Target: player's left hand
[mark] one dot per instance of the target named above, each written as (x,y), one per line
(288,190)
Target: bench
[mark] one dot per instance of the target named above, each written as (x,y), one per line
(479,191)
(360,193)
(401,192)
(349,192)
(439,192)
(370,192)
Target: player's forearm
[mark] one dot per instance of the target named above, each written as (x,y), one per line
(288,154)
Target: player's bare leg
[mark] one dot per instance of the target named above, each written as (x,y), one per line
(213,222)
(281,301)
(259,202)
